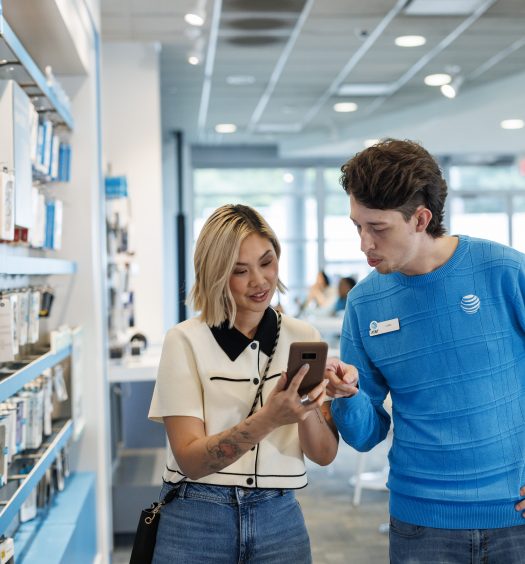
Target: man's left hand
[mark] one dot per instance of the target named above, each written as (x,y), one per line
(343,379)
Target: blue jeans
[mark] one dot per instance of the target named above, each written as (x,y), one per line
(229,525)
(414,544)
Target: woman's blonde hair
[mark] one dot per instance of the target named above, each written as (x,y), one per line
(216,253)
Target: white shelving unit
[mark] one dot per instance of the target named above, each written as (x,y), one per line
(80,301)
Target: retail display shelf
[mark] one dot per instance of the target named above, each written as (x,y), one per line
(65,533)
(62,433)
(17,64)
(141,368)
(11,384)
(36,266)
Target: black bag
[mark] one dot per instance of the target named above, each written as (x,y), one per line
(146,535)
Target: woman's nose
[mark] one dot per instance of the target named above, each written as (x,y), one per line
(256,278)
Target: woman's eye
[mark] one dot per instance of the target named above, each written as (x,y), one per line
(239,271)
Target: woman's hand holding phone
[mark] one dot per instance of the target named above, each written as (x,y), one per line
(284,406)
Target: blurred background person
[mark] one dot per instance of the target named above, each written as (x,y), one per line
(343,288)
(321,295)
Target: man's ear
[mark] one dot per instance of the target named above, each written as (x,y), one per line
(423,216)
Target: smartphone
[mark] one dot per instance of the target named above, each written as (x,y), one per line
(312,353)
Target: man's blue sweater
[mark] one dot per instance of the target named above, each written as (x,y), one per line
(455,370)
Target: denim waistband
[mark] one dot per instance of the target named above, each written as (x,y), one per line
(233,495)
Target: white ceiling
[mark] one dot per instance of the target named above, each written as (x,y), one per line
(300,52)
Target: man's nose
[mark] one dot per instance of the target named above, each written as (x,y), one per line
(367,242)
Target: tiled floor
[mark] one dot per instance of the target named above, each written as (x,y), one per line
(339,532)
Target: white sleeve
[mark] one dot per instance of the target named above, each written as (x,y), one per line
(178,390)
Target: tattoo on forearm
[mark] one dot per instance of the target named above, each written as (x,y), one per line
(229,446)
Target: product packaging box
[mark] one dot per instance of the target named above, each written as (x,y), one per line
(15,146)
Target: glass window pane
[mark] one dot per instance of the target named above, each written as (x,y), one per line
(483,177)
(331,180)
(480,217)
(251,180)
(518,224)
(293,275)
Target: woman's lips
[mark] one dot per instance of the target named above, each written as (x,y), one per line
(260,296)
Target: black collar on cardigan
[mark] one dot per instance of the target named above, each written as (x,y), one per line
(233,342)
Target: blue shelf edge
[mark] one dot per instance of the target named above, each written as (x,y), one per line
(20,378)
(27,485)
(36,74)
(66,531)
(35,266)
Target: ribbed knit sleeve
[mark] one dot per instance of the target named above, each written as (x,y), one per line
(361,420)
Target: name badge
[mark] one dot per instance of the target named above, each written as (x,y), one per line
(380,327)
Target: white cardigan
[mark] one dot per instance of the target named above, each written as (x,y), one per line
(213,374)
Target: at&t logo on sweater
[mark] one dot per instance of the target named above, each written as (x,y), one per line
(470,304)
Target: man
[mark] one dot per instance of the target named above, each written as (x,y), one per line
(440,326)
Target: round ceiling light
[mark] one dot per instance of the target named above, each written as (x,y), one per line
(345,107)
(194,19)
(512,124)
(225,128)
(410,41)
(437,79)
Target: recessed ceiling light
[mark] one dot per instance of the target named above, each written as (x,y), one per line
(225,128)
(370,142)
(437,79)
(193,60)
(288,177)
(372,89)
(345,107)
(410,41)
(194,19)
(512,124)
(451,90)
(240,79)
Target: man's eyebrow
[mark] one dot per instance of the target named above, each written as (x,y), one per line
(370,222)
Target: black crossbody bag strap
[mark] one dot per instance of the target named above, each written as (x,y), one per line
(267,368)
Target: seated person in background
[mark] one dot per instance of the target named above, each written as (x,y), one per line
(343,288)
(321,295)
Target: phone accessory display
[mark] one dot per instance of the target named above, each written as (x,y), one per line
(7,330)
(7,205)
(46,302)
(7,550)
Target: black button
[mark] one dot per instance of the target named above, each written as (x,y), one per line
(249,481)
(253,345)
(256,380)
(253,448)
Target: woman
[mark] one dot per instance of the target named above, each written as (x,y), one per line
(321,296)
(237,436)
